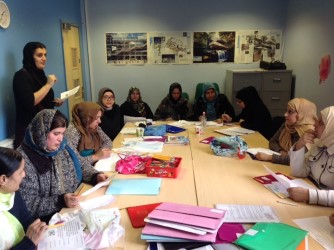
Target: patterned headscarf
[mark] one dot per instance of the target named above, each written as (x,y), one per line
(139,105)
(83,115)
(306,114)
(101,93)
(172,101)
(35,143)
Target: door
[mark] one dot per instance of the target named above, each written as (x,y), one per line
(72,57)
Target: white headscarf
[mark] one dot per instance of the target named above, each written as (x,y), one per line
(327,137)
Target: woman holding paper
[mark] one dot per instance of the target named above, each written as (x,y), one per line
(85,135)
(53,169)
(299,117)
(317,163)
(18,230)
(32,88)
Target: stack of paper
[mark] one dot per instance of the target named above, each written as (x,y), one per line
(183,140)
(178,222)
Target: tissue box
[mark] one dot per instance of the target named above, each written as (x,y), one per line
(162,168)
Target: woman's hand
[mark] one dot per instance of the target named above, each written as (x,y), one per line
(102,153)
(58,102)
(71,200)
(226,118)
(101,177)
(299,194)
(307,137)
(52,79)
(263,156)
(36,230)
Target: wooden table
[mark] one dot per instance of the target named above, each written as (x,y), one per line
(206,180)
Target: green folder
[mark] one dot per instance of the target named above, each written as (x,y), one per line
(138,186)
(273,236)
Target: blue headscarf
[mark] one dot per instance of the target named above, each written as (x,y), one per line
(36,139)
(210,105)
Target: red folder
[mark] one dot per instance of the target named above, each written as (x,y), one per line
(137,214)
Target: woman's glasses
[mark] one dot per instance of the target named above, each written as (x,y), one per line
(108,98)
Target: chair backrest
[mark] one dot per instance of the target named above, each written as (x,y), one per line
(185,95)
(199,89)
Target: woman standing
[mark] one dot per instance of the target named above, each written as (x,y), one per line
(173,106)
(134,106)
(32,88)
(18,230)
(112,120)
(299,117)
(53,169)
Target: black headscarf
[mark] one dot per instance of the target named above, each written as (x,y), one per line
(38,76)
(250,97)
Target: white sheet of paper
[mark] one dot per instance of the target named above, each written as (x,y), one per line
(254,151)
(97,202)
(128,131)
(107,164)
(98,185)
(69,93)
(248,213)
(68,236)
(319,228)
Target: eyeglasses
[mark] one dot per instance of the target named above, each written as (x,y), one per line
(108,98)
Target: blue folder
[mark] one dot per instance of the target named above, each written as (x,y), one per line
(174,129)
(139,186)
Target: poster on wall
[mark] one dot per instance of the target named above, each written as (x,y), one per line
(214,47)
(258,45)
(126,48)
(170,47)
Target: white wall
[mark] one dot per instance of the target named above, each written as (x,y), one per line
(309,36)
(173,15)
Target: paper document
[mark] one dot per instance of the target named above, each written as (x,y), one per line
(67,236)
(107,164)
(235,131)
(319,228)
(128,131)
(69,93)
(98,185)
(97,202)
(254,151)
(248,213)
(139,186)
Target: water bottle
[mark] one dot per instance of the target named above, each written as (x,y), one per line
(203,120)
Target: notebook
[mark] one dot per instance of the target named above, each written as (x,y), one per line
(137,214)
(173,129)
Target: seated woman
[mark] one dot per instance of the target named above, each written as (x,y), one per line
(53,169)
(135,107)
(213,104)
(85,135)
(18,230)
(173,106)
(317,162)
(254,115)
(112,120)
(299,117)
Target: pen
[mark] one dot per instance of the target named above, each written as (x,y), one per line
(288,203)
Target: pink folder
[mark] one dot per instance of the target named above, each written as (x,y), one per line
(189,215)
(157,230)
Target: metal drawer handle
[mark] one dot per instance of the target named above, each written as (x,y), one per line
(275,98)
(276,79)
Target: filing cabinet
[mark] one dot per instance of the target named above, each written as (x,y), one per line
(273,86)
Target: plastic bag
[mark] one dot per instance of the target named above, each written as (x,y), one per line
(229,146)
(132,164)
(159,130)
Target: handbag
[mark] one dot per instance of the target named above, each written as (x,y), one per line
(272,65)
(229,146)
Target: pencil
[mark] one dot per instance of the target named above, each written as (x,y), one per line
(288,203)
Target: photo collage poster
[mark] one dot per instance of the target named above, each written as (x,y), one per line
(183,47)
